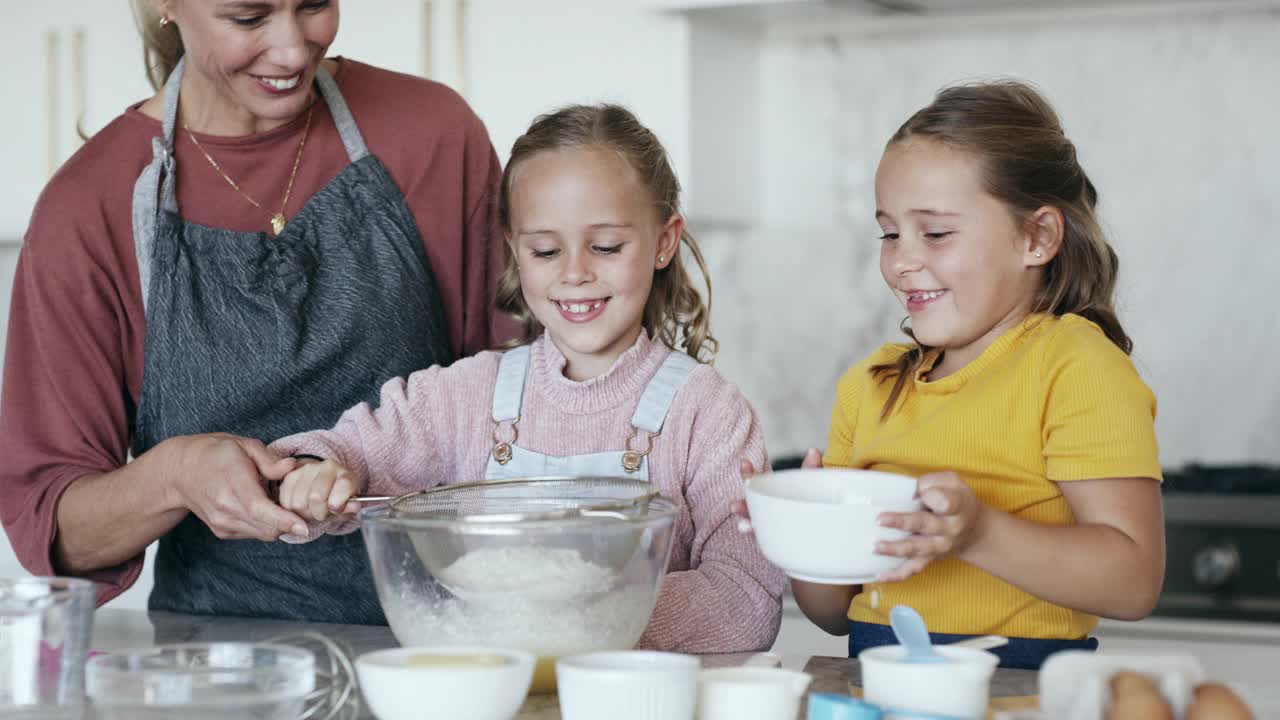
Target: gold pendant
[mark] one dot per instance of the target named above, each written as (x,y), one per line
(277,223)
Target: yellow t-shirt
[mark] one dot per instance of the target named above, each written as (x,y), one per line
(1050,401)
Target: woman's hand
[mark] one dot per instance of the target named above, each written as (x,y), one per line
(950,522)
(220,478)
(318,489)
(812,459)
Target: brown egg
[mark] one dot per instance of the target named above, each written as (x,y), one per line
(1126,682)
(1134,696)
(1214,701)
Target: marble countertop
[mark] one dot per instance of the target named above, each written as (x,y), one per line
(119,629)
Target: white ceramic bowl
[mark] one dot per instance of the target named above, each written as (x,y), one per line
(396,689)
(959,687)
(819,525)
(627,685)
(734,693)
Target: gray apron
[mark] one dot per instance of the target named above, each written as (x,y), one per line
(264,337)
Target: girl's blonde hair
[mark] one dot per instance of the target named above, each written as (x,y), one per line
(675,313)
(161,44)
(1028,162)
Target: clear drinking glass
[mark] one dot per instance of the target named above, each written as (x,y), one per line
(45,627)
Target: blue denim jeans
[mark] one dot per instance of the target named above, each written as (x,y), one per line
(1020,653)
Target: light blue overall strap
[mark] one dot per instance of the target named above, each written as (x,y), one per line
(155,185)
(347,129)
(508,391)
(651,412)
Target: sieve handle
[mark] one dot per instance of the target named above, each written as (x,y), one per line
(603,513)
(371,499)
(641,501)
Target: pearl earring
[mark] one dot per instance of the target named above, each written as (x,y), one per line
(1037,253)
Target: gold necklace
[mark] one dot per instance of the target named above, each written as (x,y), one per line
(278,220)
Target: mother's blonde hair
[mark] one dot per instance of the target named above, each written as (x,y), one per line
(675,313)
(161,44)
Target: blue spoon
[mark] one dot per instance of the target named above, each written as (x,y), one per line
(912,634)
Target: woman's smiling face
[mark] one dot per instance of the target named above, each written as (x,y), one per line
(250,63)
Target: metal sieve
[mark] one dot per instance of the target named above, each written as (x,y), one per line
(526,499)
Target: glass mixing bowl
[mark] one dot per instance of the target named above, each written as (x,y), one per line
(552,587)
(202,681)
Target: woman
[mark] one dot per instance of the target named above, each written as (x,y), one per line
(282,233)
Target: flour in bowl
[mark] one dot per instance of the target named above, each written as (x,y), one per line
(549,601)
(550,573)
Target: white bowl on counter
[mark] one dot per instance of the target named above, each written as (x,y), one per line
(820,525)
(478,683)
(959,687)
(762,693)
(627,685)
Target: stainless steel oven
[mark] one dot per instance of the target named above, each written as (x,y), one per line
(1223,532)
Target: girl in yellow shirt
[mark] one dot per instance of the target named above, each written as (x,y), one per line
(1016,405)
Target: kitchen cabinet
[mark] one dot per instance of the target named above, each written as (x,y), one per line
(82,66)
(74,65)
(26,126)
(523,59)
(82,63)
(694,82)
(515,60)
(401,35)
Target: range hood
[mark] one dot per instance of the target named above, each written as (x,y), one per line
(819,17)
(881,8)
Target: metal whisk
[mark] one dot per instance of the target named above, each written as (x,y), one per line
(335,696)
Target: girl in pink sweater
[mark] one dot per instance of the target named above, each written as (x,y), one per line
(614,355)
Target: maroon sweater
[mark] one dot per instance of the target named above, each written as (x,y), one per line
(73,366)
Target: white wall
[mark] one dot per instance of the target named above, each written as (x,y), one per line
(1175,122)
(527,58)
(9,566)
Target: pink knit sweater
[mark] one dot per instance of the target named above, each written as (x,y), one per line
(720,594)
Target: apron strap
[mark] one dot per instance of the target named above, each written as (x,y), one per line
(347,129)
(651,412)
(508,391)
(156,179)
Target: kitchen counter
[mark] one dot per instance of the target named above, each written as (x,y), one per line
(119,629)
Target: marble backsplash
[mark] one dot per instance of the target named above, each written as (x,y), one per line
(1175,122)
